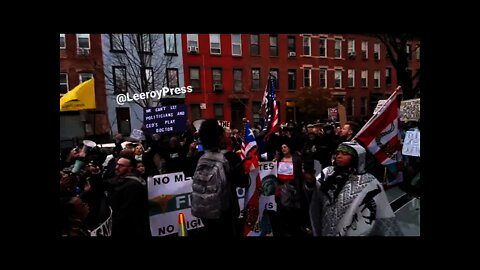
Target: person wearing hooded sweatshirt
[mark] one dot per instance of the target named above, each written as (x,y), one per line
(347,201)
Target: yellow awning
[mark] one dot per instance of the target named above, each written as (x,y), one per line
(79,98)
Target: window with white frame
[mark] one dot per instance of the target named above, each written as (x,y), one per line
(365,49)
(275,73)
(351,47)
(351,78)
(218,108)
(144,42)
(62,41)
(63,83)
(215,44)
(408,50)
(254,45)
(192,40)
(338,78)
(83,41)
(323,77)
(307,77)
(255,78)
(195,78)
(365,78)
(376,78)
(323,47)
(237,80)
(172,77)
(237,44)
(217,78)
(119,79)
(388,75)
(273,45)
(147,79)
(85,77)
(256,112)
(292,79)
(196,112)
(291,44)
(307,46)
(338,48)
(363,106)
(376,51)
(170,44)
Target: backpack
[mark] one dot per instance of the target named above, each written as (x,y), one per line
(210,190)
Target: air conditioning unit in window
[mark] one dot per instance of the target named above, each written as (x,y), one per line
(192,49)
(83,51)
(217,87)
(292,54)
(351,54)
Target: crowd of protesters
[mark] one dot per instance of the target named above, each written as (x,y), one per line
(95,183)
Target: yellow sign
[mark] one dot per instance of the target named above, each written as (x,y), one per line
(79,98)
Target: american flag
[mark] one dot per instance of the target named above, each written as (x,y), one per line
(269,105)
(249,148)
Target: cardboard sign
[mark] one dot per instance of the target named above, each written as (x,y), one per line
(410,110)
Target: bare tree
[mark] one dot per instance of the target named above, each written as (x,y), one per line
(314,102)
(396,45)
(139,63)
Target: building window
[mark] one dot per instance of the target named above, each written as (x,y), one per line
(409,51)
(338,48)
(388,76)
(351,47)
(323,47)
(218,108)
(273,45)
(255,78)
(365,49)
(307,46)
(376,78)
(144,43)
(119,79)
(192,40)
(217,79)
(417,51)
(172,77)
(215,44)
(237,44)
(237,80)
(364,78)
(170,44)
(409,72)
(338,78)
(292,79)
(63,83)
(196,112)
(83,41)
(350,106)
(147,80)
(117,43)
(291,44)
(85,77)
(256,112)
(195,78)
(376,51)
(351,78)
(62,41)
(323,77)
(275,73)
(254,45)
(307,75)
(363,106)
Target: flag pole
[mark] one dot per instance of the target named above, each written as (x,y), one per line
(376,115)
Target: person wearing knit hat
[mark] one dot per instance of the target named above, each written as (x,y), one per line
(348,201)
